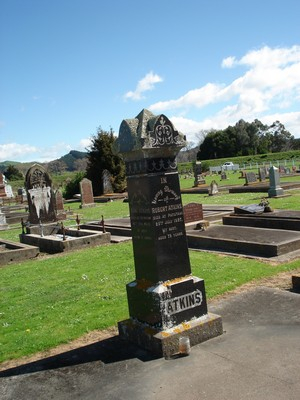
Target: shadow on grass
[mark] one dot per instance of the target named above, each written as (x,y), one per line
(107,351)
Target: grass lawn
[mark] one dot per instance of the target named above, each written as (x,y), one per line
(54,299)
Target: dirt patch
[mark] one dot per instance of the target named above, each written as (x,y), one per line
(282,281)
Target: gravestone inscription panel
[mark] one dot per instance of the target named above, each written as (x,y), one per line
(164,293)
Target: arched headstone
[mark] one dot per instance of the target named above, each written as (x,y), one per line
(40,196)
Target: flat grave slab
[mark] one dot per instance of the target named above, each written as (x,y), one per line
(281,219)
(245,240)
(14,252)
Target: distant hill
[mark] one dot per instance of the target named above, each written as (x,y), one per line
(71,157)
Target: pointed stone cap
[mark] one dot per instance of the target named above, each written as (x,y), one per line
(148,136)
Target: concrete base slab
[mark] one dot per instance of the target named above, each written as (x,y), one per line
(166,343)
(245,240)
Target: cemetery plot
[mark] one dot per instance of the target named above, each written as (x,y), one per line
(14,252)
(280,219)
(245,240)
(56,240)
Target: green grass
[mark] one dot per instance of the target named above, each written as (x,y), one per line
(53,299)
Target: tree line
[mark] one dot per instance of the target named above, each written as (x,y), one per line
(246,138)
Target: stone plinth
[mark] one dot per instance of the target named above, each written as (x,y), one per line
(165,343)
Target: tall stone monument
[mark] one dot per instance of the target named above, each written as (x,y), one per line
(165,300)
(274,177)
(40,196)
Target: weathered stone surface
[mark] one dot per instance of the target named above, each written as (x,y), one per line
(40,196)
(165,343)
(86,191)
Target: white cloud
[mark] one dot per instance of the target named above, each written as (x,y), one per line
(11,151)
(228,62)
(145,84)
(28,153)
(269,86)
(84,144)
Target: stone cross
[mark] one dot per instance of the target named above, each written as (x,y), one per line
(165,295)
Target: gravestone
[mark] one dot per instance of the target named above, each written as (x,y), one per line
(106,182)
(223,176)
(274,189)
(86,191)
(213,189)
(198,178)
(165,301)
(22,195)
(2,186)
(3,224)
(262,174)
(250,178)
(40,196)
(59,206)
(192,212)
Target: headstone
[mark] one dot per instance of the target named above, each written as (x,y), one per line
(262,174)
(213,189)
(164,300)
(106,182)
(243,174)
(3,224)
(192,212)
(223,176)
(22,196)
(250,178)
(2,186)
(274,189)
(59,206)
(198,178)
(86,191)
(40,196)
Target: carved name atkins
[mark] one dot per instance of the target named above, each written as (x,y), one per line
(184,302)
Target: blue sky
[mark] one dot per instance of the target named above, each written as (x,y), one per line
(70,66)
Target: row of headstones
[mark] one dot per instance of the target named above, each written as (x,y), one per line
(45,205)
